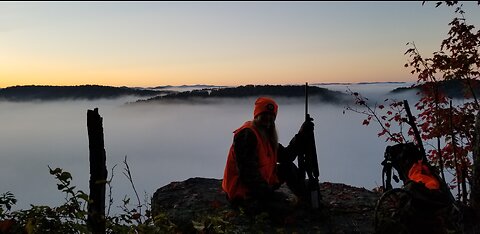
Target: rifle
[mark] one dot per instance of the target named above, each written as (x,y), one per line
(416,133)
(307,161)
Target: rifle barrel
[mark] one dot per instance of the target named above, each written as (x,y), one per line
(306,101)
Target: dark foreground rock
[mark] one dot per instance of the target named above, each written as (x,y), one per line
(199,205)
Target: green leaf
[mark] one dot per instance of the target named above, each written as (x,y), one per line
(60,186)
(84,197)
(55,171)
(198,226)
(65,176)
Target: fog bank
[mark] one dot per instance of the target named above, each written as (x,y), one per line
(168,142)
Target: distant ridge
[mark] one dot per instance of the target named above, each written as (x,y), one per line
(317,93)
(197,86)
(48,93)
(362,83)
(451,88)
(375,83)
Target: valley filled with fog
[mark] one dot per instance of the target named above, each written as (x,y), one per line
(173,142)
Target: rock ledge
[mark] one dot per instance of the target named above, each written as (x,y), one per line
(199,205)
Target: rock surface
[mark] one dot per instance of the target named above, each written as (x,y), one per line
(199,205)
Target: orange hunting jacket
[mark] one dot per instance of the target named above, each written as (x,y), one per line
(421,174)
(267,160)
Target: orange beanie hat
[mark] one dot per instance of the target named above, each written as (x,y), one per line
(264,104)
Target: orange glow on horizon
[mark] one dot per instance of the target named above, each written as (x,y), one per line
(260,71)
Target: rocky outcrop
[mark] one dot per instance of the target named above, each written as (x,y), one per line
(199,205)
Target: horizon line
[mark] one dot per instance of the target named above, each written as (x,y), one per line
(213,85)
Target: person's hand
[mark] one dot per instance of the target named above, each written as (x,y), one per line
(301,138)
(307,126)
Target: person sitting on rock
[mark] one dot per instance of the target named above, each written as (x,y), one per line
(257,164)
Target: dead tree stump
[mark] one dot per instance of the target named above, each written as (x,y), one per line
(98,172)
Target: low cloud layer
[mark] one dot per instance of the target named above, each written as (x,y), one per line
(165,143)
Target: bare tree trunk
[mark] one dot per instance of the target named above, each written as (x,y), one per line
(98,173)
(437,124)
(475,185)
(464,184)
(458,171)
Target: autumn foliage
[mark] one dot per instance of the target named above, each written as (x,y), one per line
(446,123)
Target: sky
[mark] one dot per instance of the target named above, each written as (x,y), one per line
(145,44)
